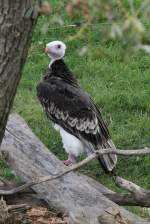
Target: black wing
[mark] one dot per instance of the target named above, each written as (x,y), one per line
(72,108)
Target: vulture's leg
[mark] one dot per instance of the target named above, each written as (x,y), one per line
(71,160)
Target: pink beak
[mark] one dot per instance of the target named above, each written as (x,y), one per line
(47,50)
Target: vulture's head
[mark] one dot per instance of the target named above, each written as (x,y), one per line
(55,49)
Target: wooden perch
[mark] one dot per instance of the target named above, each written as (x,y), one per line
(76,195)
(140,196)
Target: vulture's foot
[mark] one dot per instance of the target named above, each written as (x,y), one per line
(67,162)
(71,160)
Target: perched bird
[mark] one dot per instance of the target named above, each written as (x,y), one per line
(72,111)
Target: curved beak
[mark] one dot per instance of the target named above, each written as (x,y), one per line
(47,50)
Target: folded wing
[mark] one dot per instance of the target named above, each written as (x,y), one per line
(72,108)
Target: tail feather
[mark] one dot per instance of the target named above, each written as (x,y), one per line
(108,161)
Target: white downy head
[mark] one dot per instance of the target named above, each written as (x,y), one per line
(55,50)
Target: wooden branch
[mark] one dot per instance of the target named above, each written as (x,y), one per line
(135,152)
(128,199)
(47,178)
(129,186)
(76,195)
(142,197)
(119,198)
(14,208)
(125,199)
(73,168)
(139,193)
(127,152)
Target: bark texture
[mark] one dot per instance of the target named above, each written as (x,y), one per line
(76,195)
(16,24)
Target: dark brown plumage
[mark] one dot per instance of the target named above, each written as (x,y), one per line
(69,106)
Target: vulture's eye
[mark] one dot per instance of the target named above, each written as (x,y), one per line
(58,46)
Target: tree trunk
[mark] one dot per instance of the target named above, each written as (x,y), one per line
(76,195)
(16,24)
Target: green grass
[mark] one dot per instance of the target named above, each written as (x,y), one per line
(121,88)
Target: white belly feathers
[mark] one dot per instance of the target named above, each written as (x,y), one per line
(71,144)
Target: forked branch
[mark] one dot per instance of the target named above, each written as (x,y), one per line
(137,196)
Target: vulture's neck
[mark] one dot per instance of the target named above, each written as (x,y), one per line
(59,69)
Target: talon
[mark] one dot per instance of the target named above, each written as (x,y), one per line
(67,162)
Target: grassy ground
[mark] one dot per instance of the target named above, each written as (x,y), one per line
(119,87)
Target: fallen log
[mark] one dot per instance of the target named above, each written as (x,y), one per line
(73,194)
